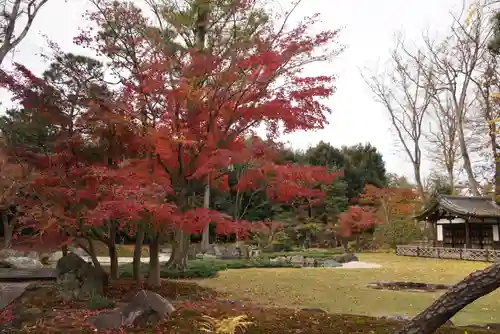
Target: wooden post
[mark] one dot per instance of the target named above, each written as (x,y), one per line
(467,235)
(434,237)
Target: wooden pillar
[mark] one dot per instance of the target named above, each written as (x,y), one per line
(468,243)
(435,235)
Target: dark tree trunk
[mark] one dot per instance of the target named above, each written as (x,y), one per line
(474,286)
(345,244)
(113,259)
(7,230)
(89,249)
(154,277)
(180,246)
(113,254)
(136,264)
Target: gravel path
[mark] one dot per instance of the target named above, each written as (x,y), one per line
(359,265)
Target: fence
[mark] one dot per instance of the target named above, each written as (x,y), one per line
(488,255)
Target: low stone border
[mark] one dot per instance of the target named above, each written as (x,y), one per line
(413,286)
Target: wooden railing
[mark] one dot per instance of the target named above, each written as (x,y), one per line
(488,255)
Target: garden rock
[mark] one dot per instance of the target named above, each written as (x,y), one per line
(56,256)
(348,257)
(331,264)
(9,252)
(205,257)
(254,252)
(80,252)
(297,260)
(279,260)
(231,252)
(217,251)
(78,279)
(402,318)
(309,262)
(146,307)
(32,255)
(21,263)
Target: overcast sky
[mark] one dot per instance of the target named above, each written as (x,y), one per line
(368,33)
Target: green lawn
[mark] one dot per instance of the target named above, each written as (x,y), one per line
(344,290)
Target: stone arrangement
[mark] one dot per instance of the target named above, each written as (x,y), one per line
(146,307)
(77,279)
(412,286)
(302,261)
(226,252)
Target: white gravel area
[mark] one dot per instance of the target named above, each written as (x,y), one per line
(359,264)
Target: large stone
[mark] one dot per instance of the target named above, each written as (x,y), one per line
(79,251)
(309,262)
(279,260)
(348,257)
(297,260)
(217,251)
(205,256)
(33,255)
(9,252)
(78,279)
(231,252)
(21,263)
(56,256)
(146,307)
(331,264)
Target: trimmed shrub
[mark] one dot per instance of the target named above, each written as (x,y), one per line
(204,268)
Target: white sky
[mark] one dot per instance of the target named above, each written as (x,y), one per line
(368,32)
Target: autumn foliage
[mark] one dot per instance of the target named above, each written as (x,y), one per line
(141,151)
(356,220)
(377,205)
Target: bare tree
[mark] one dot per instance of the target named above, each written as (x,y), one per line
(484,120)
(16,18)
(453,64)
(402,90)
(477,284)
(442,136)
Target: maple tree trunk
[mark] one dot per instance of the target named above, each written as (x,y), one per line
(113,254)
(180,245)
(64,250)
(205,238)
(154,277)
(345,244)
(136,263)
(7,231)
(113,259)
(474,286)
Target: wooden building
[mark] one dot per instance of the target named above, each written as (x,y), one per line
(464,222)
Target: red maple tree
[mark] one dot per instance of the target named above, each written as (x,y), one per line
(191,110)
(390,203)
(356,219)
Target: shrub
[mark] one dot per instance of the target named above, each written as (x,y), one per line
(204,268)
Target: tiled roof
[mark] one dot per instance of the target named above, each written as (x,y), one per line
(481,207)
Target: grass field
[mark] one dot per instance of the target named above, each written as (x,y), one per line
(344,290)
